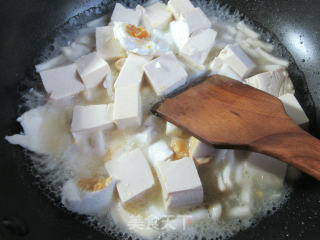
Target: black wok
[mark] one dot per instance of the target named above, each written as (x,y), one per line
(26,28)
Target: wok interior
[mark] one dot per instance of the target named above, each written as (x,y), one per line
(297,208)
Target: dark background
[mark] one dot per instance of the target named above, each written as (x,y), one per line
(24,26)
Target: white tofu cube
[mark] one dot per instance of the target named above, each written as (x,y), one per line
(181,185)
(198,149)
(172,130)
(133,174)
(228,72)
(94,201)
(127,107)
(125,15)
(276,83)
(198,46)
(156,16)
(158,152)
(178,7)
(107,46)
(132,71)
(62,82)
(180,33)
(294,110)
(92,69)
(152,128)
(196,20)
(237,60)
(216,65)
(165,74)
(147,136)
(92,118)
(266,168)
(215,211)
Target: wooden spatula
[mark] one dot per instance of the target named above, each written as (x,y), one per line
(228,114)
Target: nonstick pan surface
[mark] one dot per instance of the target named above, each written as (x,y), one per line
(26,26)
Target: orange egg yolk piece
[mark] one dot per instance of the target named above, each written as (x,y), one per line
(137,32)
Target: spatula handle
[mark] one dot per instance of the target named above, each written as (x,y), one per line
(295,147)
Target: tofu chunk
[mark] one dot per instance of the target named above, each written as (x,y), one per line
(294,110)
(237,60)
(92,118)
(181,185)
(178,7)
(152,129)
(61,82)
(159,152)
(165,74)
(88,196)
(107,46)
(180,33)
(216,65)
(196,20)
(276,83)
(266,167)
(127,107)
(156,16)
(172,130)
(228,72)
(198,46)
(126,15)
(133,174)
(198,149)
(92,69)
(132,72)
(147,136)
